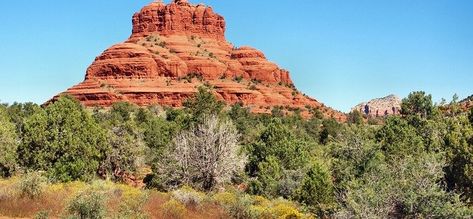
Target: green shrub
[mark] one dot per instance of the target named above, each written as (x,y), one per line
(126,152)
(268,176)
(42,215)
(238,78)
(88,204)
(202,104)
(317,190)
(132,203)
(276,152)
(121,111)
(285,210)
(399,139)
(355,117)
(290,182)
(470,116)
(419,104)
(245,206)
(188,196)
(331,128)
(8,145)
(173,209)
(240,208)
(225,198)
(256,211)
(32,185)
(64,140)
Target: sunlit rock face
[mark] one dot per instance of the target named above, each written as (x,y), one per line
(390,105)
(174,49)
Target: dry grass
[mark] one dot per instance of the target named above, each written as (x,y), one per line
(207,210)
(210,211)
(120,197)
(26,207)
(128,202)
(53,200)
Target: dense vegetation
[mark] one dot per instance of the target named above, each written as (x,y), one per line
(417,165)
(469,98)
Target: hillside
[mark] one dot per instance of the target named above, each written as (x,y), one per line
(177,123)
(178,47)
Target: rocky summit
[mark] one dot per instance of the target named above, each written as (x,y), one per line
(176,48)
(390,105)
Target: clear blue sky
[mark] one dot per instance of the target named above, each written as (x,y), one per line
(340,52)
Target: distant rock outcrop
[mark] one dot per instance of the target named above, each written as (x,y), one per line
(390,105)
(174,49)
(467,103)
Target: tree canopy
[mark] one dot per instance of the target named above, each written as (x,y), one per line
(64,140)
(414,165)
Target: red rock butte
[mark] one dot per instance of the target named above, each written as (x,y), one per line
(178,47)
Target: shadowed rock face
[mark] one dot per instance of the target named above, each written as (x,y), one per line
(390,105)
(174,49)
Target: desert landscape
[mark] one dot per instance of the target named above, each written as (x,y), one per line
(177,122)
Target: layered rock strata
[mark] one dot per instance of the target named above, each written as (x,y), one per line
(174,49)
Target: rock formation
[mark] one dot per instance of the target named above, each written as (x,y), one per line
(175,48)
(390,105)
(469,98)
(467,103)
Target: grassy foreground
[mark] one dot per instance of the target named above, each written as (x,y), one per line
(32,197)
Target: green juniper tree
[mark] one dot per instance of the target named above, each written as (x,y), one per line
(8,145)
(63,140)
(355,117)
(317,190)
(470,116)
(418,104)
(398,138)
(204,103)
(274,160)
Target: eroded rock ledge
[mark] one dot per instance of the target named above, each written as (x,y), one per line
(175,48)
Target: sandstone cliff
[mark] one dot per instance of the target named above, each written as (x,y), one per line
(390,105)
(175,48)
